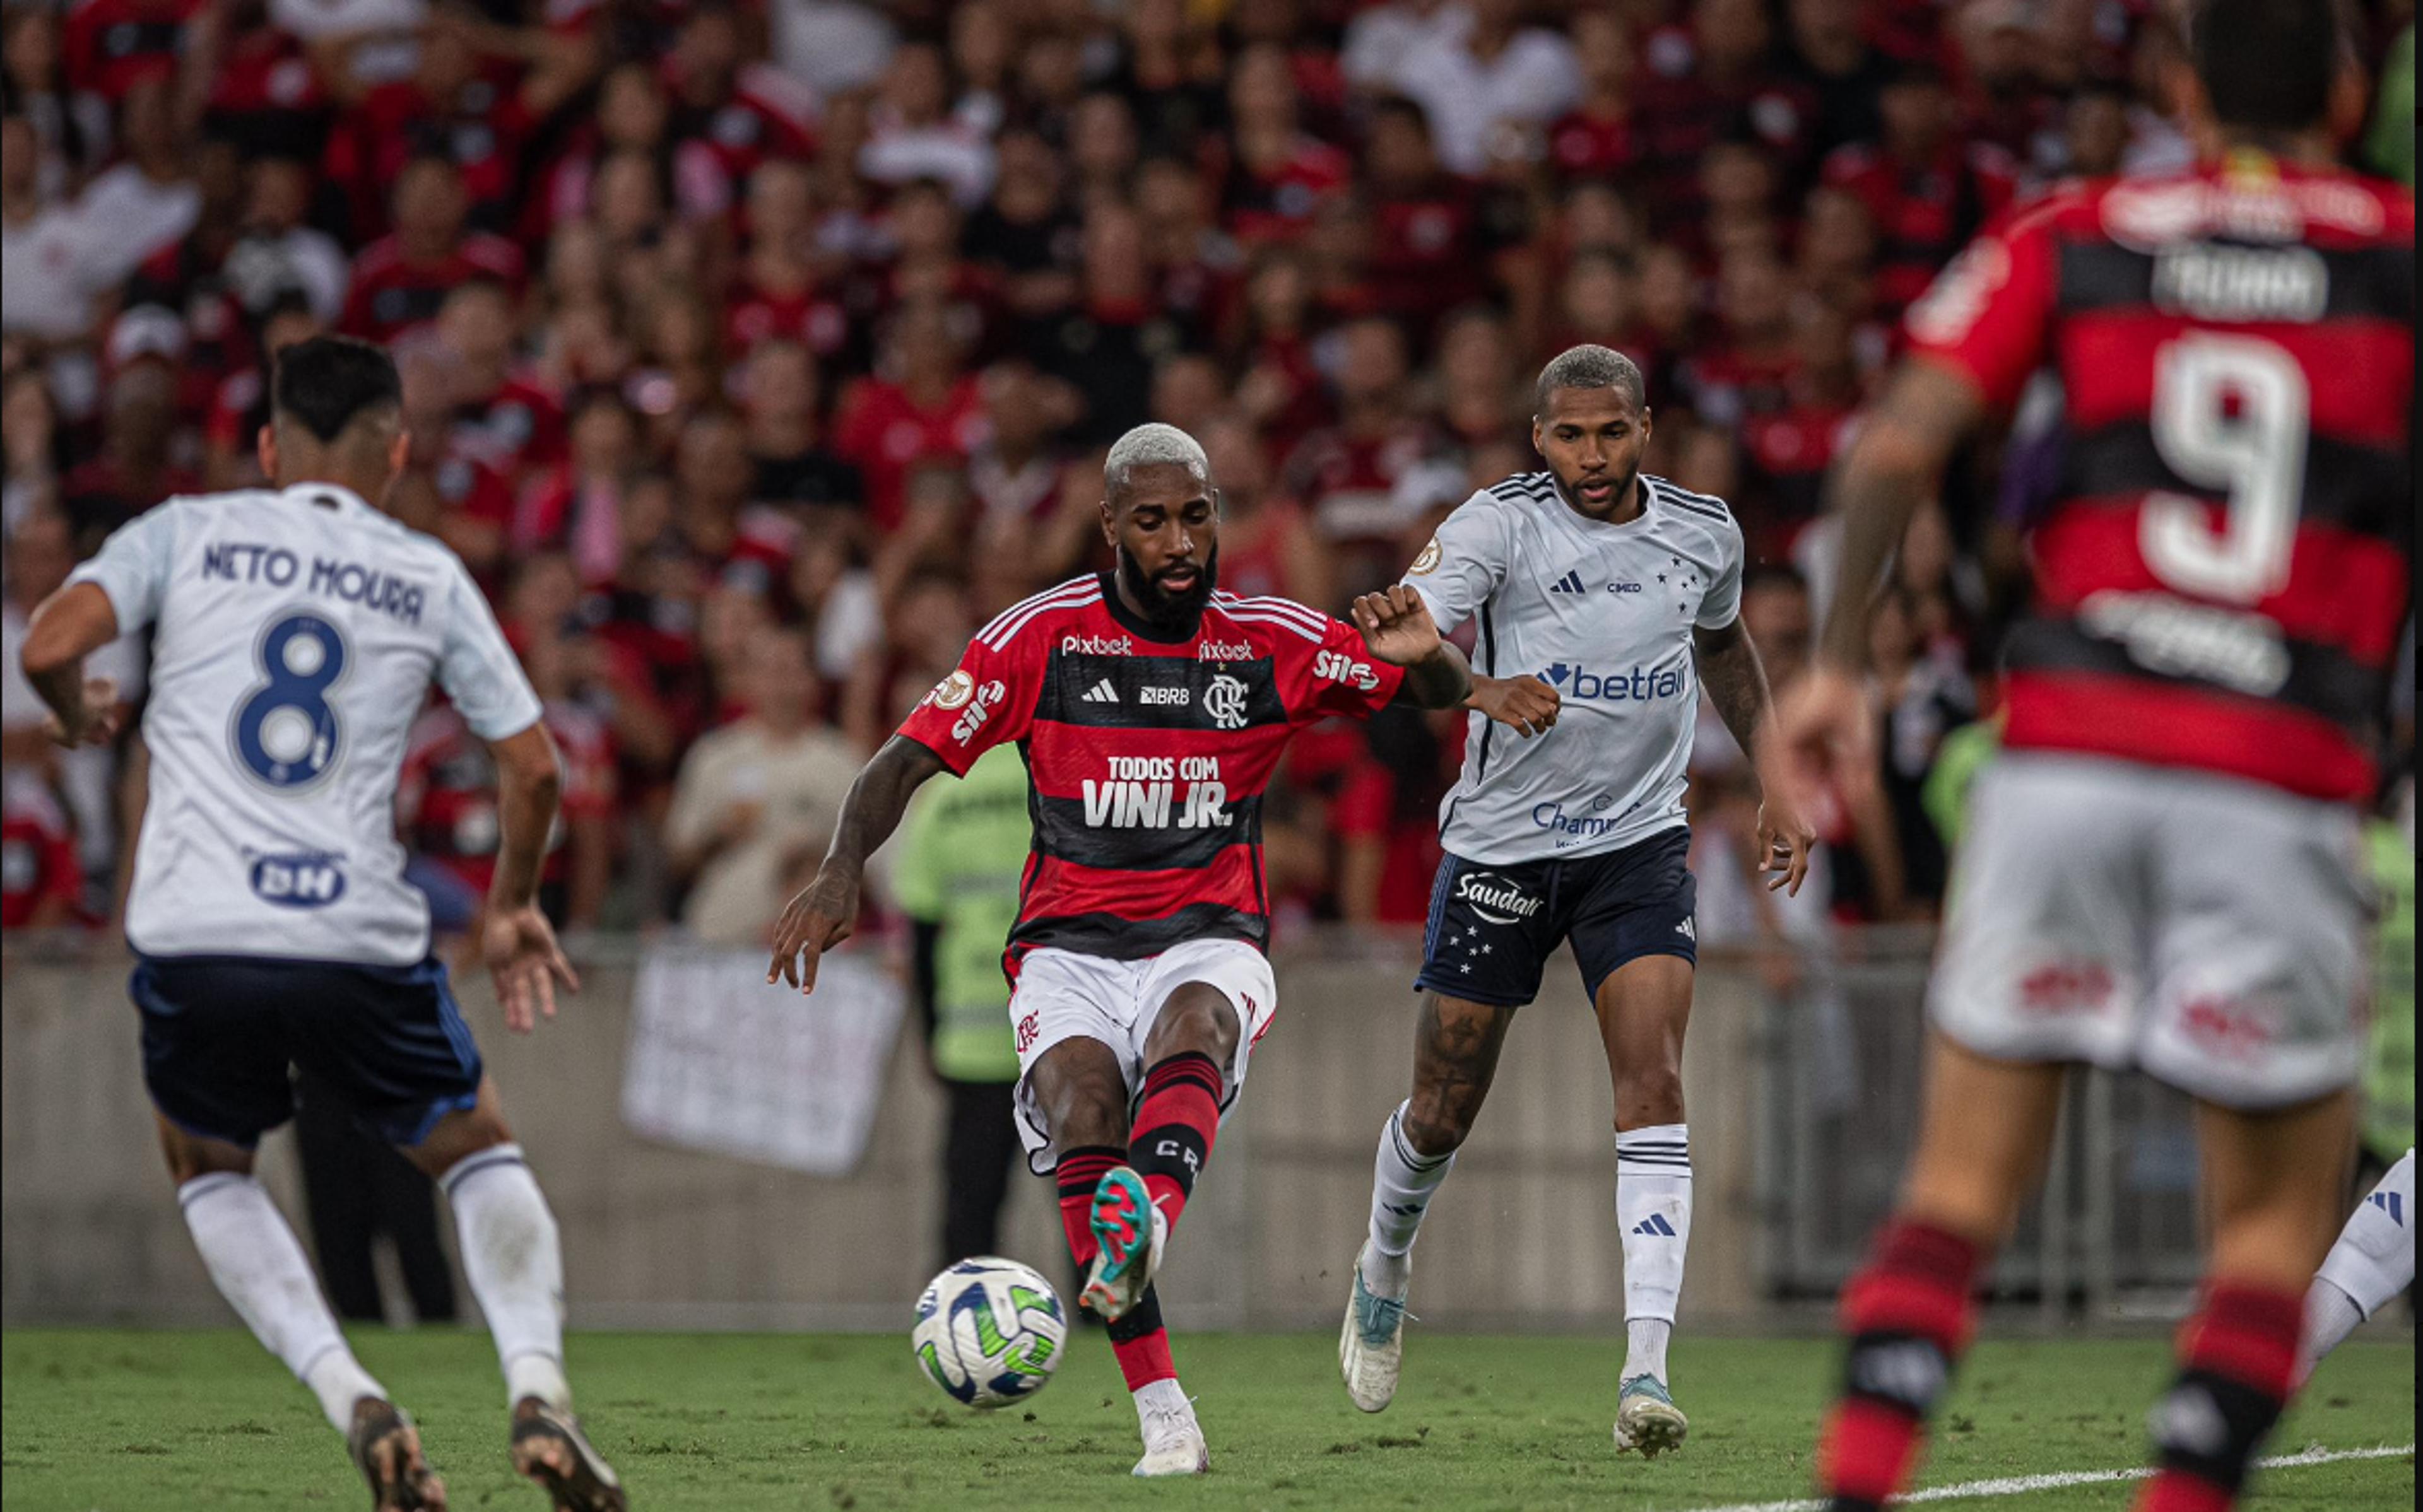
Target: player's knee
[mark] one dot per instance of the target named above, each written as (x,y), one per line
(1198,1019)
(1649,1096)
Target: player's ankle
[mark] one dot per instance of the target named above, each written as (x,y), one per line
(1385,1274)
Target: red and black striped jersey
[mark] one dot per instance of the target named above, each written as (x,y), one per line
(1148,758)
(2222,579)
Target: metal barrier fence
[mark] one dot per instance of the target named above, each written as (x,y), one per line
(1840,1061)
(1801,1107)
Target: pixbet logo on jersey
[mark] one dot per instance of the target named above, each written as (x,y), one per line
(1638,686)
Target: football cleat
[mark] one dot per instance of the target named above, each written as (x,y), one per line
(1646,1418)
(1371,1345)
(1173,1442)
(549,1449)
(1129,1235)
(385,1448)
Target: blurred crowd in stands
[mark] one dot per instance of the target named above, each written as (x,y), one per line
(757,350)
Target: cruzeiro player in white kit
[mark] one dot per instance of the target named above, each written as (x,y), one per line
(296,632)
(1605,599)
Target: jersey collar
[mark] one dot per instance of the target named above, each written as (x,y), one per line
(326,496)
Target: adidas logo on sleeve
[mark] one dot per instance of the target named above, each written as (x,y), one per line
(1102,692)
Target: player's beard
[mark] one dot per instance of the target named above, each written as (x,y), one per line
(1624,483)
(1177,614)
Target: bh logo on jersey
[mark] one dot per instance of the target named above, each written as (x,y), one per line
(1638,686)
(302,879)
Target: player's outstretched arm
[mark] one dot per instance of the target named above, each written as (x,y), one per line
(1896,461)
(1398,628)
(1736,682)
(66,627)
(826,910)
(523,958)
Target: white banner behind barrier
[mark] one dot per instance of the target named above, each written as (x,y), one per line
(721,1061)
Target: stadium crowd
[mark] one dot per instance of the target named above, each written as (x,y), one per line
(755,352)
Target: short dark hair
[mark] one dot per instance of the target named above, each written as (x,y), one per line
(1589,367)
(326,382)
(2266,65)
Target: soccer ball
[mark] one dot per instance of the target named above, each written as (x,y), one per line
(989,1331)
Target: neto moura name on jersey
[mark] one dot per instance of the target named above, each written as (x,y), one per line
(1142,792)
(381,592)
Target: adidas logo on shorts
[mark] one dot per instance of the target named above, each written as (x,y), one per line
(1655,1226)
(1102,692)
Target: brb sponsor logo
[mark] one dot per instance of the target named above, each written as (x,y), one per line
(1638,686)
(1493,899)
(301,879)
(1143,792)
(1340,667)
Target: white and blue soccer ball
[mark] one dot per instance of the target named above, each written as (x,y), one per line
(989,1331)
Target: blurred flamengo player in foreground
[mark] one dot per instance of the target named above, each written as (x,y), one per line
(297,631)
(2165,867)
(1151,708)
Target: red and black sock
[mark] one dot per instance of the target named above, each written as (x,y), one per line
(1079,1171)
(1142,1345)
(2238,1364)
(1175,1124)
(1909,1316)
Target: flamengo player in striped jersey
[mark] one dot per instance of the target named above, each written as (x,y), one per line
(296,632)
(2164,868)
(1151,710)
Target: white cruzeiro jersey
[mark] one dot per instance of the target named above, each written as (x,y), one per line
(297,633)
(1604,614)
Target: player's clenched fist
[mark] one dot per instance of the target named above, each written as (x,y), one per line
(821,917)
(1397,625)
(1525,703)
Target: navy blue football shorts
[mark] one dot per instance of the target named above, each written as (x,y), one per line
(1492,928)
(219,1032)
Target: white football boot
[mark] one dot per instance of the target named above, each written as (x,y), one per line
(1173,1441)
(1646,1418)
(1371,1345)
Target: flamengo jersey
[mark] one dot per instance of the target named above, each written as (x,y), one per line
(1148,758)
(297,635)
(1604,614)
(2221,582)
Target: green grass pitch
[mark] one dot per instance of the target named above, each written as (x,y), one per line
(197,1422)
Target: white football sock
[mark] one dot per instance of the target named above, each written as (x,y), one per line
(513,1259)
(258,1265)
(1403,1181)
(1163,1395)
(2372,1262)
(1653,1206)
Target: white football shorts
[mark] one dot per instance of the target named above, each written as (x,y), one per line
(1062,995)
(2210,931)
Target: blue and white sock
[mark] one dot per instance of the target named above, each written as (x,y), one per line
(1403,1182)
(2372,1262)
(513,1258)
(258,1265)
(1653,1206)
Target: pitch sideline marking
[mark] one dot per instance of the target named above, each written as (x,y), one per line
(2023,1484)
